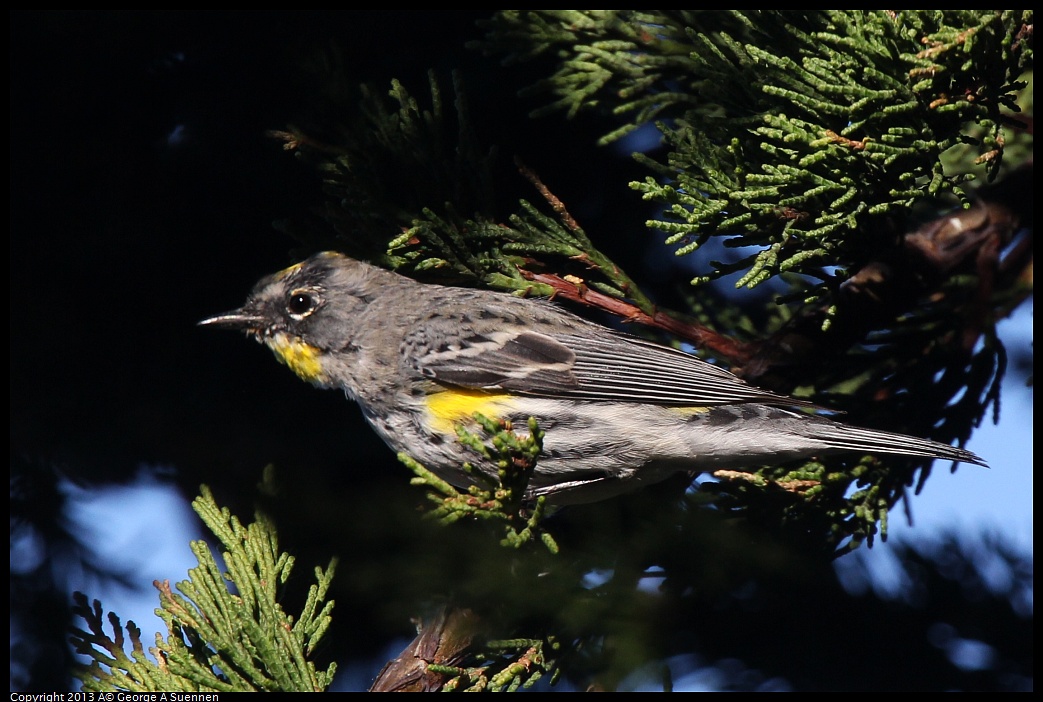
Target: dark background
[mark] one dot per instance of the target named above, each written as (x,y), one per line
(143,195)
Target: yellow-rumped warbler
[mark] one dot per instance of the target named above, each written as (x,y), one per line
(618,411)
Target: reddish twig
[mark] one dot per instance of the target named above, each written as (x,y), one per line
(556,204)
(700,336)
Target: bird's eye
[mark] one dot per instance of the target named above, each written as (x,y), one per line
(302,303)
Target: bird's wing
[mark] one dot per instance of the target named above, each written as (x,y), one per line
(603,366)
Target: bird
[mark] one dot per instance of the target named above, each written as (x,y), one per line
(617,411)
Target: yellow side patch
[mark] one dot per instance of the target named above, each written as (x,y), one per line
(302,358)
(448,408)
(688,411)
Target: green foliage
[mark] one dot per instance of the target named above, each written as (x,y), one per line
(225,632)
(504,666)
(798,133)
(501,499)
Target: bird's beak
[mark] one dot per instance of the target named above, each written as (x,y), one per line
(236,319)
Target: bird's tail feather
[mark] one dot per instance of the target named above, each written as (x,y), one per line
(850,438)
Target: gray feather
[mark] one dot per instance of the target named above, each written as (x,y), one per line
(595,364)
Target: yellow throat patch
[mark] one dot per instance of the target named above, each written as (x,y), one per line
(302,358)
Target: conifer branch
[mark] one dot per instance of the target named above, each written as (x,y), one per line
(226,631)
